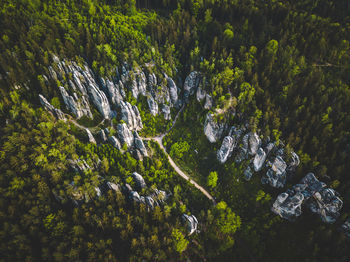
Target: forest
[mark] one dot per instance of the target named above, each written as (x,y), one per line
(281,67)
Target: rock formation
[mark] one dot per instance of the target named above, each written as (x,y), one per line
(208,102)
(212,129)
(56,112)
(139,145)
(153,106)
(191,84)
(346,228)
(125,135)
(79,107)
(114,142)
(90,136)
(131,116)
(139,180)
(225,150)
(288,206)
(191,223)
(276,176)
(259,159)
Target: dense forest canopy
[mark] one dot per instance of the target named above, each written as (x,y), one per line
(280,67)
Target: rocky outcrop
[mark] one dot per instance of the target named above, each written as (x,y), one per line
(114,92)
(213,130)
(79,107)
(254,143)
(259,159)
(288,206)
(139,180)
(191,84)
(115,142)
(346,228)
(139,145)
(153,106)
(208,102)
(200,94)
(57,113)
(100,100)
(131,116)
(191,223)
(320,199)
(226,149)
(248,173)
(166,112)
(276,176)
(90,136)
(125,135)
(102,135)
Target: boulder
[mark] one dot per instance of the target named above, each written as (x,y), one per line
(346,228)
(150,202)
(125,135)
(139,145)
(166,112)
(57,113)
(113,92)
(248,173)
(191,223)
(191,84)
(295,161)
(90,136)
(114,187)
(254,143)
(173,92)
(288,206)
(139,180)
(134,196)
(259,159)
(102,135)
(153,106)
(131,116)
(200,94)
(274,179)
(226,149)
(100,100)
(78,108)
(213,130)
(115,142)
(208,102)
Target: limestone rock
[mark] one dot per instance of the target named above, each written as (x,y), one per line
(200,94)
(225,150)
(346,228)
(115,142)
(78,108)
(139,145)
(254,143)
(113,92)
(276,176)
(248,173)
(166,112)
(134,196)
(191,222)
(259,159)
(208,102)
(90,136)
(131,116)
(150,202)
(139,180)
(102,135)
(125,135)
(56,112)
(114,187)
(288,206)
(295,161)
(213,130)
(153,106)
(100,101)
(191,84)
(173,91)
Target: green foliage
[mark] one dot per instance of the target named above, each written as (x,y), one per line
(178,149)
(179,241)
(212,179)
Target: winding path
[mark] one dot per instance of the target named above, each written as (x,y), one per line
(159,140)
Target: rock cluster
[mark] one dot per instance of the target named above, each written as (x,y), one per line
(213,130)
(131,116)
(316,196)
(191,223)
(56,112)
(346,228)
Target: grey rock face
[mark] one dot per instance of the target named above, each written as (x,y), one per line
(259,159)
(276,176)
(56,112)
(90,136)
(139,145)
(114,142)
(78,108)
(166,112)
(191,83)
(200,94)
(173,91)
(225,150)
(153,106)
(254,143)
(131,115)
(114,187)
(212,130)
(113,92)
(288,206)
(191,222)
(134,196)
(139,180)
(248,173)
(125,135)
(102,135)
(295,161)
(150,202)
(346,228)
(137,83)
(320,200)
(208,102)
(100,101)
